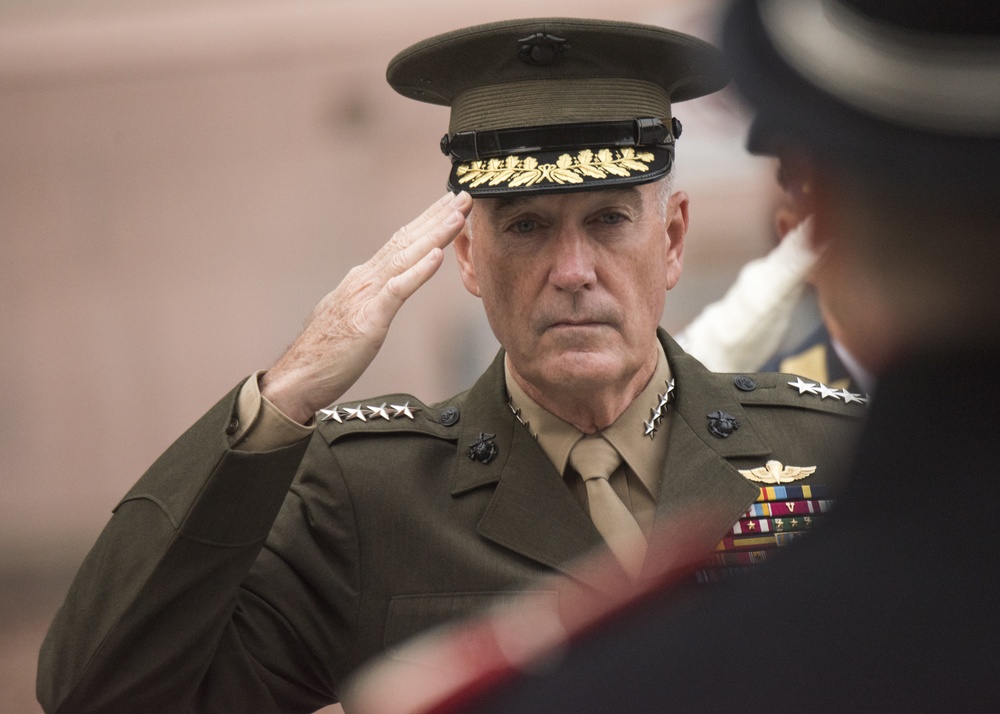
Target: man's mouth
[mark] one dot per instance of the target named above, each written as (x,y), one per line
(576,324)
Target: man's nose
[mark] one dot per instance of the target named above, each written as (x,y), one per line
(573,261)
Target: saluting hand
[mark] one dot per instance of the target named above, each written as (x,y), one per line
(350,324)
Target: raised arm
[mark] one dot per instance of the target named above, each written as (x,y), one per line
(349,325)
(152,620)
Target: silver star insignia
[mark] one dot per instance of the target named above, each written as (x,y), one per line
(517,415)
(849,397)
(378,412)
(354,413)
(403,410)
(803,387)
(653,424)
(331,414)
(656,413)
(825,391)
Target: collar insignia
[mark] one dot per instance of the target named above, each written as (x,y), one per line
(517,415)
(483,449)
(657,412)
(722,425)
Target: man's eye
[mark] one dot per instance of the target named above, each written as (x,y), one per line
(611,218)
(525,226)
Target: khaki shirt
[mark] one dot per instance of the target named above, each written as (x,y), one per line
(637,480)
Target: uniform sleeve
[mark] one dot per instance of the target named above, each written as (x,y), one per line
(151,615)
(740,331)
(261,425)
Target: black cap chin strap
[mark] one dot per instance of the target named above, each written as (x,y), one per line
(475,145)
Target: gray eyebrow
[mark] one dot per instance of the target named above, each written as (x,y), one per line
(508,204)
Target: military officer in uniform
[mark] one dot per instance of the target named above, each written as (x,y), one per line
(288,537)
(890,605)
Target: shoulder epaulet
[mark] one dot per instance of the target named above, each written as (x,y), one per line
(389,413)
(780,389)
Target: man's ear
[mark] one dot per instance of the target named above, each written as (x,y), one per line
(676,229)
(798,180)
(466,265)
(824,216)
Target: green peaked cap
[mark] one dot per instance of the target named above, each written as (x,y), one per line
(557,104)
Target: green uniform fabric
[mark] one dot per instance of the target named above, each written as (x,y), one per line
(255,582)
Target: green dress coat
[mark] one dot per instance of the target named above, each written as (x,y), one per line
(229,581)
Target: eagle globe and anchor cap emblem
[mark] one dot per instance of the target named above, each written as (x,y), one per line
(542,48)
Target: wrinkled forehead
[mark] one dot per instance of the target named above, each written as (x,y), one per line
(499,207)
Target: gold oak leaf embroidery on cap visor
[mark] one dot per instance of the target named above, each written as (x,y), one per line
(515,171)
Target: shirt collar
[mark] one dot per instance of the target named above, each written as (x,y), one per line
(644,455)
(555,436)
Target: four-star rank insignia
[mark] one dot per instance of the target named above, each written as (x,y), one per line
(366,412)
(656,413)
(774,472)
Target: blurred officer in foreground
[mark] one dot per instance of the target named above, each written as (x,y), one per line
(891,603)
(262,559)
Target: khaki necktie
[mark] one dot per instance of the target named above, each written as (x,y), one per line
(595,459)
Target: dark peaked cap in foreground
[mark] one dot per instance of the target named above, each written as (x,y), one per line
(909,88)
(557,104)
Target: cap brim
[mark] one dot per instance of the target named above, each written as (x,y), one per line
(554,171)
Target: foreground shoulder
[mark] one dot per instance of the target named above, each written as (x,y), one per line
(778,389)
(389,414)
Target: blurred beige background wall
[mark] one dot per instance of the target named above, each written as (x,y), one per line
(182,180)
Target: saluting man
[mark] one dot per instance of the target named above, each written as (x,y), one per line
(890,606)
(286,537)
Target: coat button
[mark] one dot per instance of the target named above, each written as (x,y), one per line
(233,426)
(745,383)
(449,416)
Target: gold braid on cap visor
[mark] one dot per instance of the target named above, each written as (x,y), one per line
(514,171)
(558,132)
